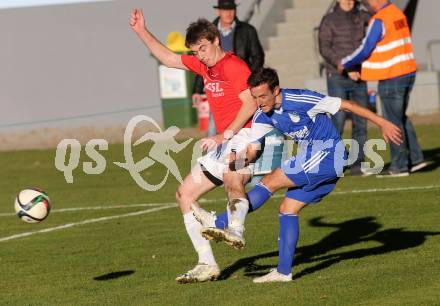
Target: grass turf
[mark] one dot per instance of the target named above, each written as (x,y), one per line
(368,248)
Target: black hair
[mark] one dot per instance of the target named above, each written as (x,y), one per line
(262,76)
(201,29)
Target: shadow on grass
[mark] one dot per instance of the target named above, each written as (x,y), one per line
(433,156)
(113,275)
(348,233)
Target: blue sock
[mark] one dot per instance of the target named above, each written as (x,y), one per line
(289,232)
(257,196)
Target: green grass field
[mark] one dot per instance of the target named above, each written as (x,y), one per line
(371,242)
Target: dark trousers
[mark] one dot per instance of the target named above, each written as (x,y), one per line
(345,88)
(394,96)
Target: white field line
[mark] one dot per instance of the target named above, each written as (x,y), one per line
(96,208)
(224,199)
(374,190)
(169,205)
(95,220)
(387,189)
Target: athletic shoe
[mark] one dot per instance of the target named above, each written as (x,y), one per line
(200,273)
(207,219)
(392,173)
(232,238)
(273,276)
(419,166)
(358,171)
(369,172)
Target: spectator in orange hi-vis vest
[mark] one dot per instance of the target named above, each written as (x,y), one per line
(387,56)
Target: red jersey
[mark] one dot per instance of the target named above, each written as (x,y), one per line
(223,83)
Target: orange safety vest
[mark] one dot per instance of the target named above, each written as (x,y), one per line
(393,55)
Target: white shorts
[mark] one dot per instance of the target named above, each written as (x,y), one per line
(214,163)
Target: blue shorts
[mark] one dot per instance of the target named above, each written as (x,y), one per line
(315,174)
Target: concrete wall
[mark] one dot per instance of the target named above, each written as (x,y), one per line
(80,64)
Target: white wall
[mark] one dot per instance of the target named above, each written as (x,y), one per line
(80,60)
(427,27)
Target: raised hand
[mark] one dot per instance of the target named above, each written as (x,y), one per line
(137,21)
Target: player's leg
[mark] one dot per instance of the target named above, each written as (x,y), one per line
(296,199)
(272,182)
(288,238)
(237,207)
(235,181)
(193,186)
(257,196)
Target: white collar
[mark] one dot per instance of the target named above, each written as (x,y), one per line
(226,32)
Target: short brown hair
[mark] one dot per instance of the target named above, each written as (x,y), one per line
(201,29)
(262,76)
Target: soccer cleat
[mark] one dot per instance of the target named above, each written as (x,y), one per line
(207,219)
(200,273)
(232,238)
(392,173)
(419,166)
(273,276)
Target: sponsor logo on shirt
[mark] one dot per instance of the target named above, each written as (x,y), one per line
(215,89)
(300,134)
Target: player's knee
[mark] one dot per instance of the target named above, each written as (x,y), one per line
(228,179)
(232,181)
(182,195)
(274,181)
(271,184)
(291,208)
(178,196)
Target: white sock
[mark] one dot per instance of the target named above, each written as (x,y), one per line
(201,245)
(237,211)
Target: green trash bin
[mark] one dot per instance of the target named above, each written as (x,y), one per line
(176,97)
(176,89)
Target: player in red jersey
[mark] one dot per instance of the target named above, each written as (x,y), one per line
(225,77)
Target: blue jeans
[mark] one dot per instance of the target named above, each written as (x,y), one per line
(345,88)
(394,96)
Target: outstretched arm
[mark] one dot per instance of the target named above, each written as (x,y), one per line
(390,132)
(161,52)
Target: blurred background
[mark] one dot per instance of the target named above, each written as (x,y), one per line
(75,69)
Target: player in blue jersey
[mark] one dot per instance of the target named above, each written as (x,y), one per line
(309,176)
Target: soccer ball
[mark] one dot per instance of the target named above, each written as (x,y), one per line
(32,205)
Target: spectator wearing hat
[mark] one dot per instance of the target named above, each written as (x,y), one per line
(236,36)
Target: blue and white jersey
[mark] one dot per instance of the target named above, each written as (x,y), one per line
(303,116)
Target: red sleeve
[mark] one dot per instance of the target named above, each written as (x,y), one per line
(238,73)
(192,63)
